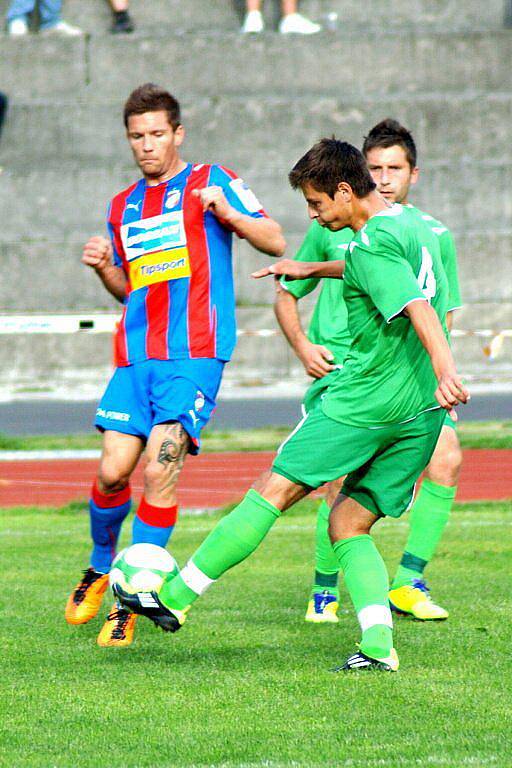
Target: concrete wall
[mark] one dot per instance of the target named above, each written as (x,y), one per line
(255,104)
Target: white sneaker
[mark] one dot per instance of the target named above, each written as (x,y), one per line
(296,23)
(62,28)
(17,28)
(253,23)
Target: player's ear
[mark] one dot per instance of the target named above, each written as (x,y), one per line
(345,191)
(415,174)
(179,135)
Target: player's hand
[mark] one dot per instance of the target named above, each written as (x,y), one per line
(451,392)
(97,253)
(213,199)
(316,359)
(294,270)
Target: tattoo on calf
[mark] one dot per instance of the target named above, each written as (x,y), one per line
(173,451)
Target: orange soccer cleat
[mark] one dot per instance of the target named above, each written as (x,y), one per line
(85,600)
(118,629)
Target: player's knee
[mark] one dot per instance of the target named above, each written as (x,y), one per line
(111,477)
(157,476)
(340,530)
(445,468)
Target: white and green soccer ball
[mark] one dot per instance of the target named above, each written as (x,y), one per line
(142,568)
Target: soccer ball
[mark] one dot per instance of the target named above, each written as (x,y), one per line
(142,568)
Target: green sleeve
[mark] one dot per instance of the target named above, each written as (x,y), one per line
(383,271)
(312,249)
(449,258)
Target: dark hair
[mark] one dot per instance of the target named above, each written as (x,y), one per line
(330,162)
(152,98)
(389,133)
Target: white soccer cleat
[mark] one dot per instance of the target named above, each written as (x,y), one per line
(63,29)
(17,28)
(253,23)
(297,24)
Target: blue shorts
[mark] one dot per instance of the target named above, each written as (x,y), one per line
(141,395)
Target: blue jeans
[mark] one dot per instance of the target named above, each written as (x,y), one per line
(49,11)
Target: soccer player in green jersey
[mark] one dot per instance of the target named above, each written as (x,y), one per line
(392,156)
(379,420)
(322,352)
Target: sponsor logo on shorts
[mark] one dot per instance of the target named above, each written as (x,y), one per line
(113,415)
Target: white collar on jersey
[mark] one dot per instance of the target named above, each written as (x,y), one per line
(394,210)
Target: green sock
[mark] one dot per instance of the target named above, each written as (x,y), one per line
(429,515)
(326,566)
(231,541)
(366,579)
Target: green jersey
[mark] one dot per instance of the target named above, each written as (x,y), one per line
(448,256)
(328,324)
(387,375)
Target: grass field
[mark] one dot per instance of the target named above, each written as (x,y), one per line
(246,682)
(473,434)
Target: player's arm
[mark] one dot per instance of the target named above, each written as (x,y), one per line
(449,259)
(450,390)
(97,254)
(303,270)
(316,359)
(263,233)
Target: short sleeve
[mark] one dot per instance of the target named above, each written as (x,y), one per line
(237,192)
(449,259)
(383,271)
(311,249)
(116,257)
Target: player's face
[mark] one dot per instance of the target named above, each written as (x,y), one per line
(332,213)
(154,143)
(391,172)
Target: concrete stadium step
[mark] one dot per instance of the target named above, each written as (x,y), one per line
(71,287)
(245,131)
(29,362)
(472,63)
(176,15)
(72,201)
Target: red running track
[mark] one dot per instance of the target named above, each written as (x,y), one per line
(214,479)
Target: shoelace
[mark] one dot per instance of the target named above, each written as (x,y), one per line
(89,578)
(121,617)
(421,585)
(326,599)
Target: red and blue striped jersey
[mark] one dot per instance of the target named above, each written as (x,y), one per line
(180,300)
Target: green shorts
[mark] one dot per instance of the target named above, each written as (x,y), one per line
(316,390)
(449,422)
(382,464)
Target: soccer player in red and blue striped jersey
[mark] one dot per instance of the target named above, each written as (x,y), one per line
(169,261)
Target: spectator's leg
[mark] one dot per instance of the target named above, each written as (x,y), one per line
(253,22)
(49,13)
(3,109)
(17,17)
(294,22)
(122,21)
(288,6)
(20,9)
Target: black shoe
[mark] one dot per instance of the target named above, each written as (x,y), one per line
(148,604)
(360,661)
(122,24)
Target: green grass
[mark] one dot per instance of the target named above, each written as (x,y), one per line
(246,682)
(473,434)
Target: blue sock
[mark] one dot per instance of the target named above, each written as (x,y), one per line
(107,512)
(153,525)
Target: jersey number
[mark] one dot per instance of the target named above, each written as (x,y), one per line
(426,277)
